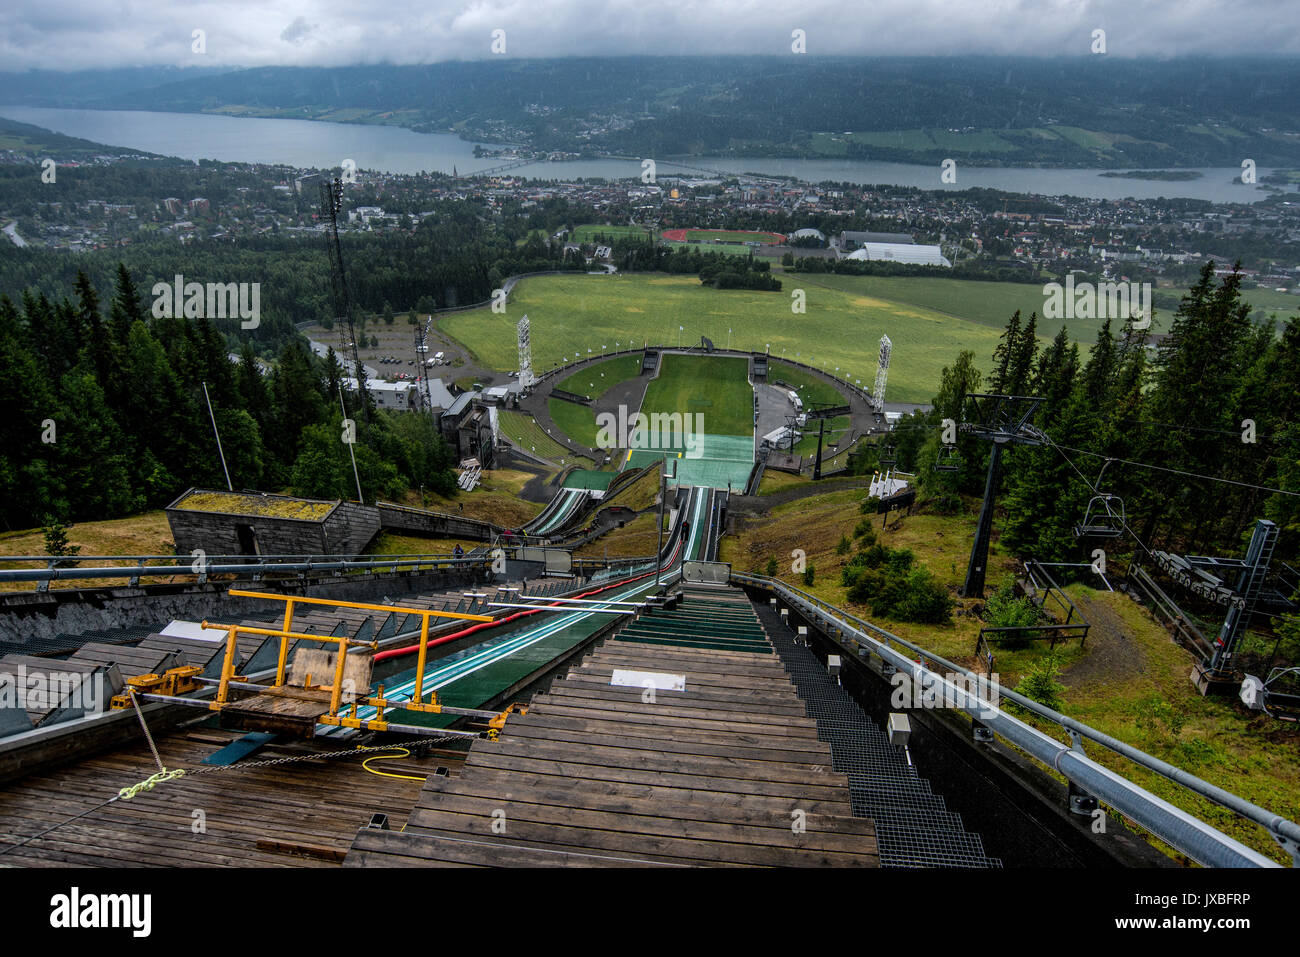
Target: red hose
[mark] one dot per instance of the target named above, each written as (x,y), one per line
(443,639)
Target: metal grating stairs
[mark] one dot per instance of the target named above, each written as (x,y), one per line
(914,828)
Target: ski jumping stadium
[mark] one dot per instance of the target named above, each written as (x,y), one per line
(490,711)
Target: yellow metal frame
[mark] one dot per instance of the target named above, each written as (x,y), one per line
(285,633)
(179,680)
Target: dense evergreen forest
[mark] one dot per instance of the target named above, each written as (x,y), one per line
(103,413)
(452,258)
(1218,399)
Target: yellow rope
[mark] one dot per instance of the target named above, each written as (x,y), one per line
(388,757)
(148,784)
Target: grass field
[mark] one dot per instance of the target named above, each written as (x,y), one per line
(809,387)
(717,387)
(145,534)
(524,431)
(842,326)
(595,380)
(577,421)
(589,232)
(1269,302)
(989,304)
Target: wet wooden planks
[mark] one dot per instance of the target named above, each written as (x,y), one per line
(301,814)
(727,773)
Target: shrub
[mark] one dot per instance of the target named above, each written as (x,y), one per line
(1040,684)
(771,566)
(866,531)
(844,546)
(885,580)
(809,574)
(1005,610)
(56,537)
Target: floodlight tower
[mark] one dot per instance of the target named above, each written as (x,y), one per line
(1002,420)
(882,373)
(522,333)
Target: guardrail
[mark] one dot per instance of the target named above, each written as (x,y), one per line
(1167,611)
(1177,828)
(64,568)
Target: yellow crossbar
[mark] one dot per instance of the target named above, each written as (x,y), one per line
(298,600)
(284,634)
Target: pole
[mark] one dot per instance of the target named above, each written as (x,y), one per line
(663,494)
(817,465)
(979,553)
(352,453)
(229,487)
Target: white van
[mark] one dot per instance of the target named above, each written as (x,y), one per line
(438,357)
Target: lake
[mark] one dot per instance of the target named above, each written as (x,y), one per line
(307,143)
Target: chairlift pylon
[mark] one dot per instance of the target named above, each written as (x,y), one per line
(1103,518)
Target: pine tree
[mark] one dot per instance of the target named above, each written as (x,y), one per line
(1021,363)
(1003,354)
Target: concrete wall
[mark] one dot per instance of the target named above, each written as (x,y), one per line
(434,524)
(28,615)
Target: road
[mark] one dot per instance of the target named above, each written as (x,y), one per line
(12,232)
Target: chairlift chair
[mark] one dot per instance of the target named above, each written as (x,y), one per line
(887,456)
(1103,518)
(947,460)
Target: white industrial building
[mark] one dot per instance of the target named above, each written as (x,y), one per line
(910,253)
(388,395)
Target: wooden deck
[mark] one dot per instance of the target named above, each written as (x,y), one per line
(593,775)
(303,814)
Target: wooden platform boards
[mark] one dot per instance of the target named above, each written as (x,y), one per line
(728,772)
(303,814)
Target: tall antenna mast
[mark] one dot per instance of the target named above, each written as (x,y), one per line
(331,201)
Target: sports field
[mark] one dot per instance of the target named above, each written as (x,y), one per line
(721,235)
(589,232)
(842,325)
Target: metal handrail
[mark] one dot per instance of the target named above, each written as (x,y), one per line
(137,559)
(207,567)
(1188,834)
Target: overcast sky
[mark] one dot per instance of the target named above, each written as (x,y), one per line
(79,34)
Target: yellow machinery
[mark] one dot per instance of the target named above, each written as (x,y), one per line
(295,703)
(172,682)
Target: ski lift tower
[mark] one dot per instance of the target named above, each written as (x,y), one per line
(882,374)
(1002,420)
(522,332)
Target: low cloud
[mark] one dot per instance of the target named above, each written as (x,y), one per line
(79,34)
